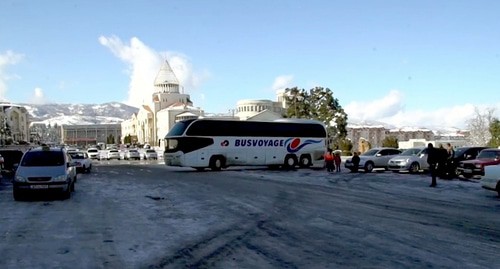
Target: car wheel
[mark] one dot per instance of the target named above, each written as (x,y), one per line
(369,167)
(89,169)
(467,175)
(67,194)
(414,168)
(18,195)
(498,188)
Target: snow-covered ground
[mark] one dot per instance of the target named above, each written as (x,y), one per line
(142,214)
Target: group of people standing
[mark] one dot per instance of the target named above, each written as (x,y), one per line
(440,161)
(332,161)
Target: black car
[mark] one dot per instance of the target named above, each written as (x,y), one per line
(462,154)
(11,157)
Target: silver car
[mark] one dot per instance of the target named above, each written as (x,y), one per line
(132,154)
(412,160)
(44,169)
(373,158)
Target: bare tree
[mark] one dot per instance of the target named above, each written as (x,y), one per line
(479,126)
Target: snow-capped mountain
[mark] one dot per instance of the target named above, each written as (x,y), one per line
(72,114)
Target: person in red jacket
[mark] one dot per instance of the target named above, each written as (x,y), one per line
(329,161)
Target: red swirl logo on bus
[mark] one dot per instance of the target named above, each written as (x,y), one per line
(294,144)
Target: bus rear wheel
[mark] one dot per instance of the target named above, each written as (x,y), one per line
(216,163)
(290,161)
(305,161)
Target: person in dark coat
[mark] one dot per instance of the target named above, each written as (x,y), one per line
(450,166)
(355,162)
(433,157)
(443,159)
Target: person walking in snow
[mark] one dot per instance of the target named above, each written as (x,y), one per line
(329,161)
(337,161)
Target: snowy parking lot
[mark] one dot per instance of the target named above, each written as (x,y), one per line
(146,215)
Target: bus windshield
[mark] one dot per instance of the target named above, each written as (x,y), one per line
(179,128)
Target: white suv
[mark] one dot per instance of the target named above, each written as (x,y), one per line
(44,169)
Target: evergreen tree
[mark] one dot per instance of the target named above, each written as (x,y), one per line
(390,142)
(318,104)
(495,133)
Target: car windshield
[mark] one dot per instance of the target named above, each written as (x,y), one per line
(43,158)
(489,154)
(411,152)
(77,155)
(133,151)
(460,151)
(92,150)
(150,151)
(370,152)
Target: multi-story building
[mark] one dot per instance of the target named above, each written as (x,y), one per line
(407,133)
(14,123)
(91,134)
(374,135)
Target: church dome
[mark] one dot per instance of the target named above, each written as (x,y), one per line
(165,80)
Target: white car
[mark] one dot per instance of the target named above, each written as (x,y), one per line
(81,160)
(93,153)
(113,154)
(491,178)
(412,160)
(373,158)
(150,154)
(132,154)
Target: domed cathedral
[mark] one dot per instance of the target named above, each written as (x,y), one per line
(262,109)
(167,106)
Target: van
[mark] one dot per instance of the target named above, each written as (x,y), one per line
(44,169)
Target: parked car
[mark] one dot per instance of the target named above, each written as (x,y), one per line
(132,154)
(150,154)
(462,154)
(82,161)
(103,155)
(471,168)
(93,153)
(113,154)
(374,158)
(47,169)
(9,157)
(412,160)
(491,178)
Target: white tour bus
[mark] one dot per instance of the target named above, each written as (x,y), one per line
(215,144)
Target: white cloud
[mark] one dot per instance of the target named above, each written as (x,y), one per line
(376,109)
(282,82)
(390,109)
(143,65)
(6,59)
(38,96)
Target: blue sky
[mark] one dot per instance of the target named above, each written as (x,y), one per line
(419,63)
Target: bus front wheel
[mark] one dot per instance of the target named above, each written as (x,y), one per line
(290,161)
(216,163)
